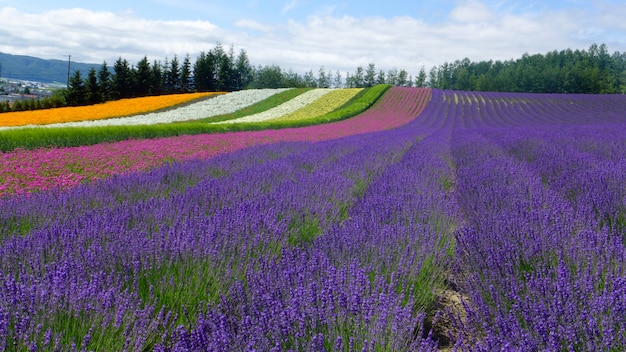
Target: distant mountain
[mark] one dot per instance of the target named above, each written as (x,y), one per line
(30,68)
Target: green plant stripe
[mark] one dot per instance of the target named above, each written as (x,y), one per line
(32,138)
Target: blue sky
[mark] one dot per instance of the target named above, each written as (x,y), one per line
(307,34)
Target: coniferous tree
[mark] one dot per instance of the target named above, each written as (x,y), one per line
(93,95)
(381,79)
(224,75)
(403,78)
(143,78)
(122,79)
(157,85)
(358,79)
(76,93)
(330,77)
(310,80)
(165,72)
(172,75)
(204,72)
(349,83)
(104,82)
(338,81)
(185,75)
(420,79)
(370,75)
(323,79)
(243,70)
(392,77)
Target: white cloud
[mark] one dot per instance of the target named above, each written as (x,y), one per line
(336,42)
(254,25)
(95,36)
(472,11)
(290,5)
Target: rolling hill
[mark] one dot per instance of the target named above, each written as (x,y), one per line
(29,68)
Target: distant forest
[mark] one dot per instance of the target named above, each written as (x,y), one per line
(592,71)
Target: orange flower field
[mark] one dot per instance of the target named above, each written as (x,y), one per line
(117,108)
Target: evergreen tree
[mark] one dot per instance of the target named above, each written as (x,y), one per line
(204,72)
(349,83)
(432,77)
(338,81)
(224,69)
(104,82)
(76,92)
(403,78)
(370,75)
(381,79)
(309,79)
(243,71)
(358,79)
(330,78)
(157,85)
(122,79)
(185,75)
(392,77)
(172,75)
(323,79)
(420,79)
(93,95)
(143,78)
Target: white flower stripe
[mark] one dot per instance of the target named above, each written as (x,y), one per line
(286,108)
(218,105)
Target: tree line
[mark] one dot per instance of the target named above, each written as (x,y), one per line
(592,71)
(216,70)
(568,71)
(272,76)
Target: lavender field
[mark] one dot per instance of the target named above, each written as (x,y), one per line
(488,222)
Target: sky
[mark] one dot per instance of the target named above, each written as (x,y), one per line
(304,35)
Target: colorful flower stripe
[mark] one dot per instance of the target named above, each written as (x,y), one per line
(221,104)
(28,170)
(117,108)
(289,107)
(321,106)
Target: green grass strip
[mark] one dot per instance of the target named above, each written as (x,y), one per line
(63,137)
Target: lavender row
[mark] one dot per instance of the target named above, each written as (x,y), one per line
(546,273)
(237,252)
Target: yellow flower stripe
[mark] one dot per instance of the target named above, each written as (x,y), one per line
(117,108)
(321,106)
